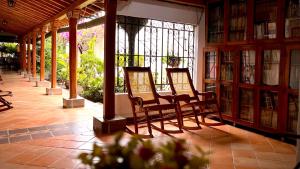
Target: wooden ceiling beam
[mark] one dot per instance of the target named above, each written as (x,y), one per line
(196,3)
(25,10)
(53,6)
(76,4)
(57,3)
(21,15)
(41,4)
(39,8)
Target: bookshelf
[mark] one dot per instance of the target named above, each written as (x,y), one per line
(256,72)
(216,22)
(237,20)
(265,15)
(292,19)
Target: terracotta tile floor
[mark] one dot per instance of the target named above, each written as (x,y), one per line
(38,133)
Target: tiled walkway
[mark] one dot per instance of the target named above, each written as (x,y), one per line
(39,133)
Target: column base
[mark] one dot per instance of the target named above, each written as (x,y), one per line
(73,103)
(22,73)
(102,126)
(54,91)
(27,75)
(34,79)
(42,84)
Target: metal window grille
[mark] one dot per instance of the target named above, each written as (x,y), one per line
(153,43)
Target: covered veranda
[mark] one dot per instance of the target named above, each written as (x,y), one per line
(39,133)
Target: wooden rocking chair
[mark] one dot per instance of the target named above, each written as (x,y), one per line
(144,100)
(3,101)
(196,103)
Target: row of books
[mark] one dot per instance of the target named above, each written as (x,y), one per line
(294,76)
(265,30)
(227,72)
(238,23)
(265,12)
(238,9)
(239,36)
(268,118)
(215,36)
(293,9)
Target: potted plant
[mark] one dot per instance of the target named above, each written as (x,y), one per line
(139,154)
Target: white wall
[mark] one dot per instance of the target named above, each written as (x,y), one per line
(166,12)
(154,9)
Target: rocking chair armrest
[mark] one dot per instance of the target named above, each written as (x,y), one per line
(138,101)
(207,94)
(183,97)
(169,98)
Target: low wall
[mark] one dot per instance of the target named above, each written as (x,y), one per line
(123,105)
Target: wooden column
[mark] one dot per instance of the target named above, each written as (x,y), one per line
(53,54)
(109,59)
(34,54)
(28,55)
(73,17)
(73,101)
(24,54)
(42,55)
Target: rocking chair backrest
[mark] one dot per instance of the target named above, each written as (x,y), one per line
(139,83)
(181,82)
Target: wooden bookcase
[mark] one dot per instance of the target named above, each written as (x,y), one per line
(252,61)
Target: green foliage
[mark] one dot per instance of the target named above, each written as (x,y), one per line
(121,58)
(138,154)
(48,54)
(90,73)
(8,48)
(62,67)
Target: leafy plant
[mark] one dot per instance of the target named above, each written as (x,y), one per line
(90,73)
(138,154)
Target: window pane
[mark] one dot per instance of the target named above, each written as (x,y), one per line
(226,99)
(248,67)
(246,105)
(269,109)
(210,65)
(271,66)
(295,69)
(293,109)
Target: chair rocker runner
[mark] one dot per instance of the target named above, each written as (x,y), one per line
(3,101)
(145,100)
(197,103)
